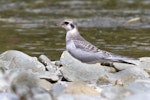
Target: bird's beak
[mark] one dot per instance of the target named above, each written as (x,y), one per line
(61,24)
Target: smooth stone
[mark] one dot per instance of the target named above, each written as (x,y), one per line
(141,85)
(42,96)
(17,59)
(52,77)
(139,96)
(145,59)
(4,64)
(3,81)
(58,88)
(129,75)
(45,84)
(79,97)
(58,63)
(27,86)
(47,62)
(4,85)
(74,70)
(23,81)
(80,88)
(145,64)
(116,93)
(123,77)
(8,96)
(122,66)
(105,80)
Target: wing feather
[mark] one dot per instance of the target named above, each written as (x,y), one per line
(85,46)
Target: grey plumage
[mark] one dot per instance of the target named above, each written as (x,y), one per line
(83,50)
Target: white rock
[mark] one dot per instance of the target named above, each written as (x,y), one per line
(74,70)
(17,59)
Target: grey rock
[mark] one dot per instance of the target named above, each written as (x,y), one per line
(79,97)
(74,70)
(48,76)
(145,59)
(123,77)
(42,96)
(139,96)
(47,62)
(27,86)
(58,63)
(8,96)
(80,88)
(141,85)
(45,84)
(128,76)
(116,93)
(122,66)
(145,64)
(65,97)
(58,88)
(17,59)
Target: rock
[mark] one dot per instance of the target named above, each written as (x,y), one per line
(139,96)
(8,96)
(42,96)
(58,63)
(122,66)
(140,85)
(3,83)
(128,76)
(145,64)
(123,77)
(17,59)
(58,88)
(27,86)
(52,77)
(116,93)
(80,88)
(45,84)
(145,59)
(23,80)
(79,97)
(74,70)
(47,62)
(105,80)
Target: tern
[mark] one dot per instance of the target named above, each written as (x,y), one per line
(86,52)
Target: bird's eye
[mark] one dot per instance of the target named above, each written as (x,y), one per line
(66,23)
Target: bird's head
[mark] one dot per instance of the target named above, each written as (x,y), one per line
(68,24)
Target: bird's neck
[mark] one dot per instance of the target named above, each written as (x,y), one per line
(72,34)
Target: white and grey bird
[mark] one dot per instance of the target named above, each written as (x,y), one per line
(83,50)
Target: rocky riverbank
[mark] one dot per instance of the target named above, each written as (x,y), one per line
(23,77)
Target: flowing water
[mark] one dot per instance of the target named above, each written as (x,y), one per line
(31,25)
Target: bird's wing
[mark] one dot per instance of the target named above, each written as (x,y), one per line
(85,46)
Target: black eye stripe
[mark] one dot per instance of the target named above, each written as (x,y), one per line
(66,23)
(72,25)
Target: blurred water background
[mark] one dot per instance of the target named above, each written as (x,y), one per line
(31,25)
